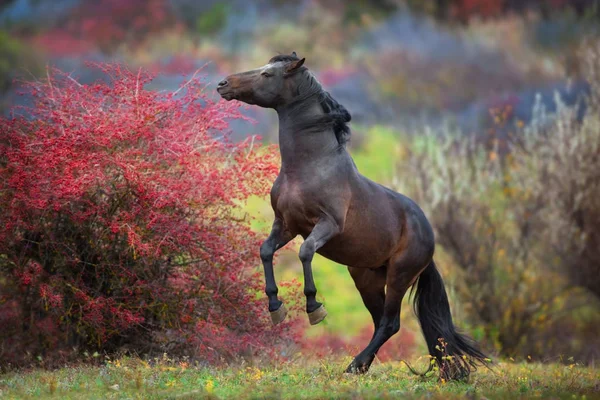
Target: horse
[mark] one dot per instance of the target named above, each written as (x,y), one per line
(383,237)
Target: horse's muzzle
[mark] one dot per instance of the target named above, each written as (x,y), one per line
(225,91)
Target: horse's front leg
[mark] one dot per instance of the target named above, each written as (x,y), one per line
(324,230)
(278,238)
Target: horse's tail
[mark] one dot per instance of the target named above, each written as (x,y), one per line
(456,355)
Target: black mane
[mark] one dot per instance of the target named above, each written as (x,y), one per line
(283,58)
(339,116)
(336,114)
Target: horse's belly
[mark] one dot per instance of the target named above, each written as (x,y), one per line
(355,252)
(350,258)
(369,239)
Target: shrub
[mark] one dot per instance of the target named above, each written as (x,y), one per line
(488,235)
(557,158)
(523,228)
(122,223)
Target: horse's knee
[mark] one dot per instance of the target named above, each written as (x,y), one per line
(266,251)
(307,251)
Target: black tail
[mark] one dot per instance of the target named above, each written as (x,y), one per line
(456,355)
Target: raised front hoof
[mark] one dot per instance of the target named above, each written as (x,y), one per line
(317,316)
(278,315)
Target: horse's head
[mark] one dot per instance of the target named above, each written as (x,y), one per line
(270,86)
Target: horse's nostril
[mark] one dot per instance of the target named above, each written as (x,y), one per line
(223,83)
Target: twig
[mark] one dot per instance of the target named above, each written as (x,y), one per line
(188,82)
(75,81)
(191,79)
(251,146)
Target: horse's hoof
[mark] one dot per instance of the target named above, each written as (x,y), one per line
(351,369)
(278,315)
(356,369)
(317,316)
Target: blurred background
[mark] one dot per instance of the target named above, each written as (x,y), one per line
(481,110)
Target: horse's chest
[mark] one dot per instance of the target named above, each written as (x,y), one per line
(299,211)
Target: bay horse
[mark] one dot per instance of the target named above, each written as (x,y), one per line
(382,236)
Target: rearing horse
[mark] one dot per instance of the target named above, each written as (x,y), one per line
(382,236)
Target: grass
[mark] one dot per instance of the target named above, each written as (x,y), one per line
(137,379)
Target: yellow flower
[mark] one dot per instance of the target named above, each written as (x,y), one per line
(209,386)
(254,373)
(257,374)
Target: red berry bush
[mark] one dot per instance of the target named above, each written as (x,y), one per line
(121,223)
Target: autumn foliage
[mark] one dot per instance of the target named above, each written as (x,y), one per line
(121,223)
(400,347)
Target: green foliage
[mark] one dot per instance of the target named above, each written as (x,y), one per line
(13,54)
(212,20)
(165,378)
(378,153)
(358,10)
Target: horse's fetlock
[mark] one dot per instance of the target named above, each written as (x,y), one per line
(271,291)
(274,305)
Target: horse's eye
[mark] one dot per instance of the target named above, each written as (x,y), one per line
(266,74)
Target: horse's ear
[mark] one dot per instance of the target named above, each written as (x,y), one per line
(294,54)
(294,65)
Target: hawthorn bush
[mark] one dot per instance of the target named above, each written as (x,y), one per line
(122,224)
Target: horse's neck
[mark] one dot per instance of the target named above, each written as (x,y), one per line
(299,142)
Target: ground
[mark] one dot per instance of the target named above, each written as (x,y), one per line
(159,379)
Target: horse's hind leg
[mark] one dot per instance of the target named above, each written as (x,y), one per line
(371,285)
(278,238)
(401,272)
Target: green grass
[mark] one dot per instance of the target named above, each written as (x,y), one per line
(134,379)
